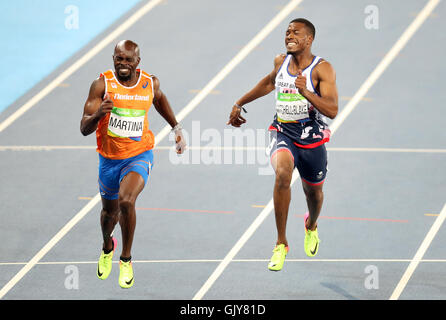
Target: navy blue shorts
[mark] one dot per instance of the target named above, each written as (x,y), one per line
(111,172)
(310,162)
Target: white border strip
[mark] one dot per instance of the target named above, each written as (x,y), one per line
(390,56)
(79,63)
(419,255)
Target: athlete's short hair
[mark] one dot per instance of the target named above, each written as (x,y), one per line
(310,27)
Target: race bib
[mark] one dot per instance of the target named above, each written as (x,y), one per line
(291,107)
(126,123)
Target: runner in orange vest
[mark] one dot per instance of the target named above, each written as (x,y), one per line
(116,109)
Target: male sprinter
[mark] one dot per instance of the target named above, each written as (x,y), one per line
(306,93)
(116,108)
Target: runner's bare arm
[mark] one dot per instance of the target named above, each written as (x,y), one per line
(162,105)
(265,86)
(327,103)
(95,107)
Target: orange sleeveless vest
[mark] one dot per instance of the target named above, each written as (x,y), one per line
(124,132)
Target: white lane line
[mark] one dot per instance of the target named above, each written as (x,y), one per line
(239,57)
(39,255)
(262,148)
(235,249)
(53,84)
(397,150)
(161,135)
(219,260)
(347,110)
(235,148)
(79,63)
(385,62)
(264,213)
(45,148)
(419,255)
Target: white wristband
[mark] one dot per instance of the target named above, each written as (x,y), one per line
(240,108)
(177,127)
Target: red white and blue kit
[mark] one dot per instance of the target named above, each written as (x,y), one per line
(298,127)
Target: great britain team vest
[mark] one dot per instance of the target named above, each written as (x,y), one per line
(124,132)
(295,116)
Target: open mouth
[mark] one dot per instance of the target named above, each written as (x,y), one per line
(123,70)
(123,73)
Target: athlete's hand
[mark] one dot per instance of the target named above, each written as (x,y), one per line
(106,106)
(180,143)
(235,119)
(301,83)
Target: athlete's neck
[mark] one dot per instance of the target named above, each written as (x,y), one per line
(302,59)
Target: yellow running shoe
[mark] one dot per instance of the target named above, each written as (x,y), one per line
(126,279)
(279,253)
(311,242)
(105,262)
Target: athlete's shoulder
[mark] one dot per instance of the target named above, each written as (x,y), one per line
(323,64)
(278,60)
(107,74)
(155,83)
(97,87)
(324,68)
(145,74)
(152,77)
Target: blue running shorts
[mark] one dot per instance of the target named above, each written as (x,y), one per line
(310,162)
(111,172)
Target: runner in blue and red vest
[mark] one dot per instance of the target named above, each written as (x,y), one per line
(305,93)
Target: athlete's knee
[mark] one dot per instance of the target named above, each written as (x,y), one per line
(110,213)
(126,202)
(283,177)
(314,194)
(110,208)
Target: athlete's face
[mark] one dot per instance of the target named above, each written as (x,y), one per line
(297,38)
(125,62)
